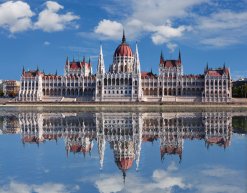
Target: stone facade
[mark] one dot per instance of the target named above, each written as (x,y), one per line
(124,81)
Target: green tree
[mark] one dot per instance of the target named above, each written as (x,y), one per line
(1,93)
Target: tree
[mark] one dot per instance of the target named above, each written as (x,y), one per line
(1,93)
(12,94)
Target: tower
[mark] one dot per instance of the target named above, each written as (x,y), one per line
(101,65)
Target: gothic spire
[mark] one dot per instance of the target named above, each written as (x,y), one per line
(101,65)
(23,70)
(67,60)
(123,38)
(179,56)
(137,60)
(161,57)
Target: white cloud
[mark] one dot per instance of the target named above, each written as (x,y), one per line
(161,181)
(49,20)
(219,41)
(46,43)
(166,181)
(222,29)
(171,47)
(110,184)
(15,16)
(150,16)
(212,24)
(165,33)
(109,29)
(16,187)
(218,171)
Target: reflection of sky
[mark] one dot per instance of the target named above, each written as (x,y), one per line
(45,168)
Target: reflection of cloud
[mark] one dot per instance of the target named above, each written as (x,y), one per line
(110,184)
(204,179)
(161,181)
(16,187)
(218,171)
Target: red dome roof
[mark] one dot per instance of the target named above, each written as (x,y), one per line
(123,49)
(125,163)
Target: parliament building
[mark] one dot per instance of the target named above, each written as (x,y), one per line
(125,82)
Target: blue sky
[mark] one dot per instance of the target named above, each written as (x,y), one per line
(42,33)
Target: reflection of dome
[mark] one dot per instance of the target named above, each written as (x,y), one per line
(124,163)
(123,49)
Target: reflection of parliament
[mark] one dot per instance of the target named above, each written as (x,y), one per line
(125,132)
(124,81)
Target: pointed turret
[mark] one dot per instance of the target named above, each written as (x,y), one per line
(123,38)
(179,56)
(56,72)
(137,61)
(67,60)
(84,59)
(37,68)
(23,70)
(89,60)
(101,65)
(124,176)
(161,57)
(206,68)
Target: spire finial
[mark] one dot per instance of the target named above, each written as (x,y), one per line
(124,176)
(161,57)
(179,56)
(23,70)
(89,60)
(124,38)
(37,68)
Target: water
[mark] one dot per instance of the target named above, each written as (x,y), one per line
(127,150)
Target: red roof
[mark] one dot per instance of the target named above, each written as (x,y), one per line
(32,73)
(125,163)
(123,50)
(79,65)
(148,75)
(171,63)
(217,72)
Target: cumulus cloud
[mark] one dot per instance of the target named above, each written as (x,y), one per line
(161,181)
(49,20)
(109,29)
(211,23)
(17,187)
(15,16)
(165,33)
(174,179)
(152,17)
(223,28)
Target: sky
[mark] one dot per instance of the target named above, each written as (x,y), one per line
(43,33)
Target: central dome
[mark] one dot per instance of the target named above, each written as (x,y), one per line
(123,49)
